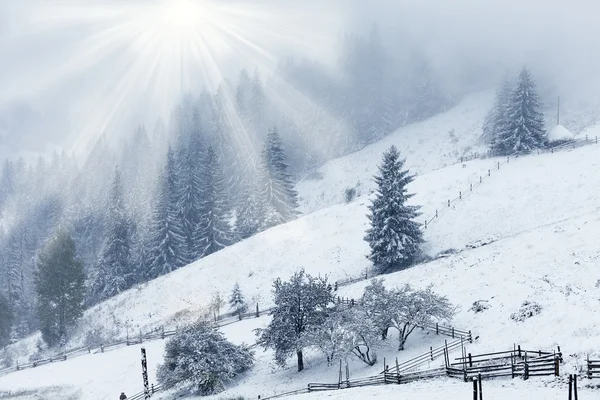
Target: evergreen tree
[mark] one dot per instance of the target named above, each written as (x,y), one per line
(250,210)
(523,127)
(114,270)
(300,308)
(60,288)
(167,249)
(281,199)
(191,149)
(214,230)
(394,236)
(496,117)
(237,301)
(6,320)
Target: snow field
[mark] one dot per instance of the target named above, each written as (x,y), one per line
(546,250)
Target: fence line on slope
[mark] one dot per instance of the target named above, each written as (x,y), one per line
(524,364)
(568,145)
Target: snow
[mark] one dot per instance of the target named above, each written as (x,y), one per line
(528,232)
(429,145)
(559,132)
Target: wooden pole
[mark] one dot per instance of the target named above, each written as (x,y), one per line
(474,389)
(575,386)
(480,388)
(570,387)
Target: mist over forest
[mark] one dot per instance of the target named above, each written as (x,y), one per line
(107,130)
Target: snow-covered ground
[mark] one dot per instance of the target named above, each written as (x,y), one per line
(429,145)
(538,215)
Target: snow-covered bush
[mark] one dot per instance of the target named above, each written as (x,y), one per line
(98,335)
(349,194)
(346,331)
(199,360)
(528,309)
(480,306)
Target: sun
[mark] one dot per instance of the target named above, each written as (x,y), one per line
(181,14)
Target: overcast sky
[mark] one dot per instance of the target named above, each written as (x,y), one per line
(72,68)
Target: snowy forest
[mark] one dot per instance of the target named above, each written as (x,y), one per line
(219,169)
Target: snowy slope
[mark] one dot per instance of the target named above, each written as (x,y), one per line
(428,145)
(544,250)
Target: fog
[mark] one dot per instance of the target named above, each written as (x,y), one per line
(73,69)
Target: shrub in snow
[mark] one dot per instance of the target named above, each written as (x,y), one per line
(98,335)
(199,360)
(528,309)
(349,194)
(300,308)
(480,306)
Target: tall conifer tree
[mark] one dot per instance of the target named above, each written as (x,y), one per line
(394,235)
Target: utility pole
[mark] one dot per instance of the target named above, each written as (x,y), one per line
(145,375)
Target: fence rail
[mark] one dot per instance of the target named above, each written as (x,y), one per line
(544,365)
(593,368)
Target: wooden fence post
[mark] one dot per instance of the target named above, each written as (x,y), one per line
(489,172)
(570,387)
(589,367)
(480,179)
(475,389)
(431,352)
(101,348)
(437,329)
(436,213)
(480,388)
(452,332)
(340,376)
(471,187)
(460,194)
(498,164)
(556,367)
(448,203)
(575,386)
(257,311)
(470,361)
(519,350)
(397,371)
(425,224)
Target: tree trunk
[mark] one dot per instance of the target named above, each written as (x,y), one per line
(300,360)
(384,334)
(401,345)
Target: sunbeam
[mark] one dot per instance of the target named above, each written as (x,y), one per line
(133,60)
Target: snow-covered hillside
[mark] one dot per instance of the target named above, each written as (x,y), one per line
(528,232)
(428,145)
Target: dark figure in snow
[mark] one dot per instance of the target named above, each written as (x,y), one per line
(122,396)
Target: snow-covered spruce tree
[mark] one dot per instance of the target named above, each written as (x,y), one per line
(167,249)
(114,270)
(237,301)
(190,153)
(250,210)
(496,117)
(214,231)
(281,199)
(199,360)
(377,304)
(394,236)
(60,288)
(6,320)
(523,126)
(412,308)
(300,308)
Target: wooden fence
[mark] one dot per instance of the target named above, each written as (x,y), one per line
(521,363)
(593,368)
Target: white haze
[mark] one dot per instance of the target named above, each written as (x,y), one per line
(65,78)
